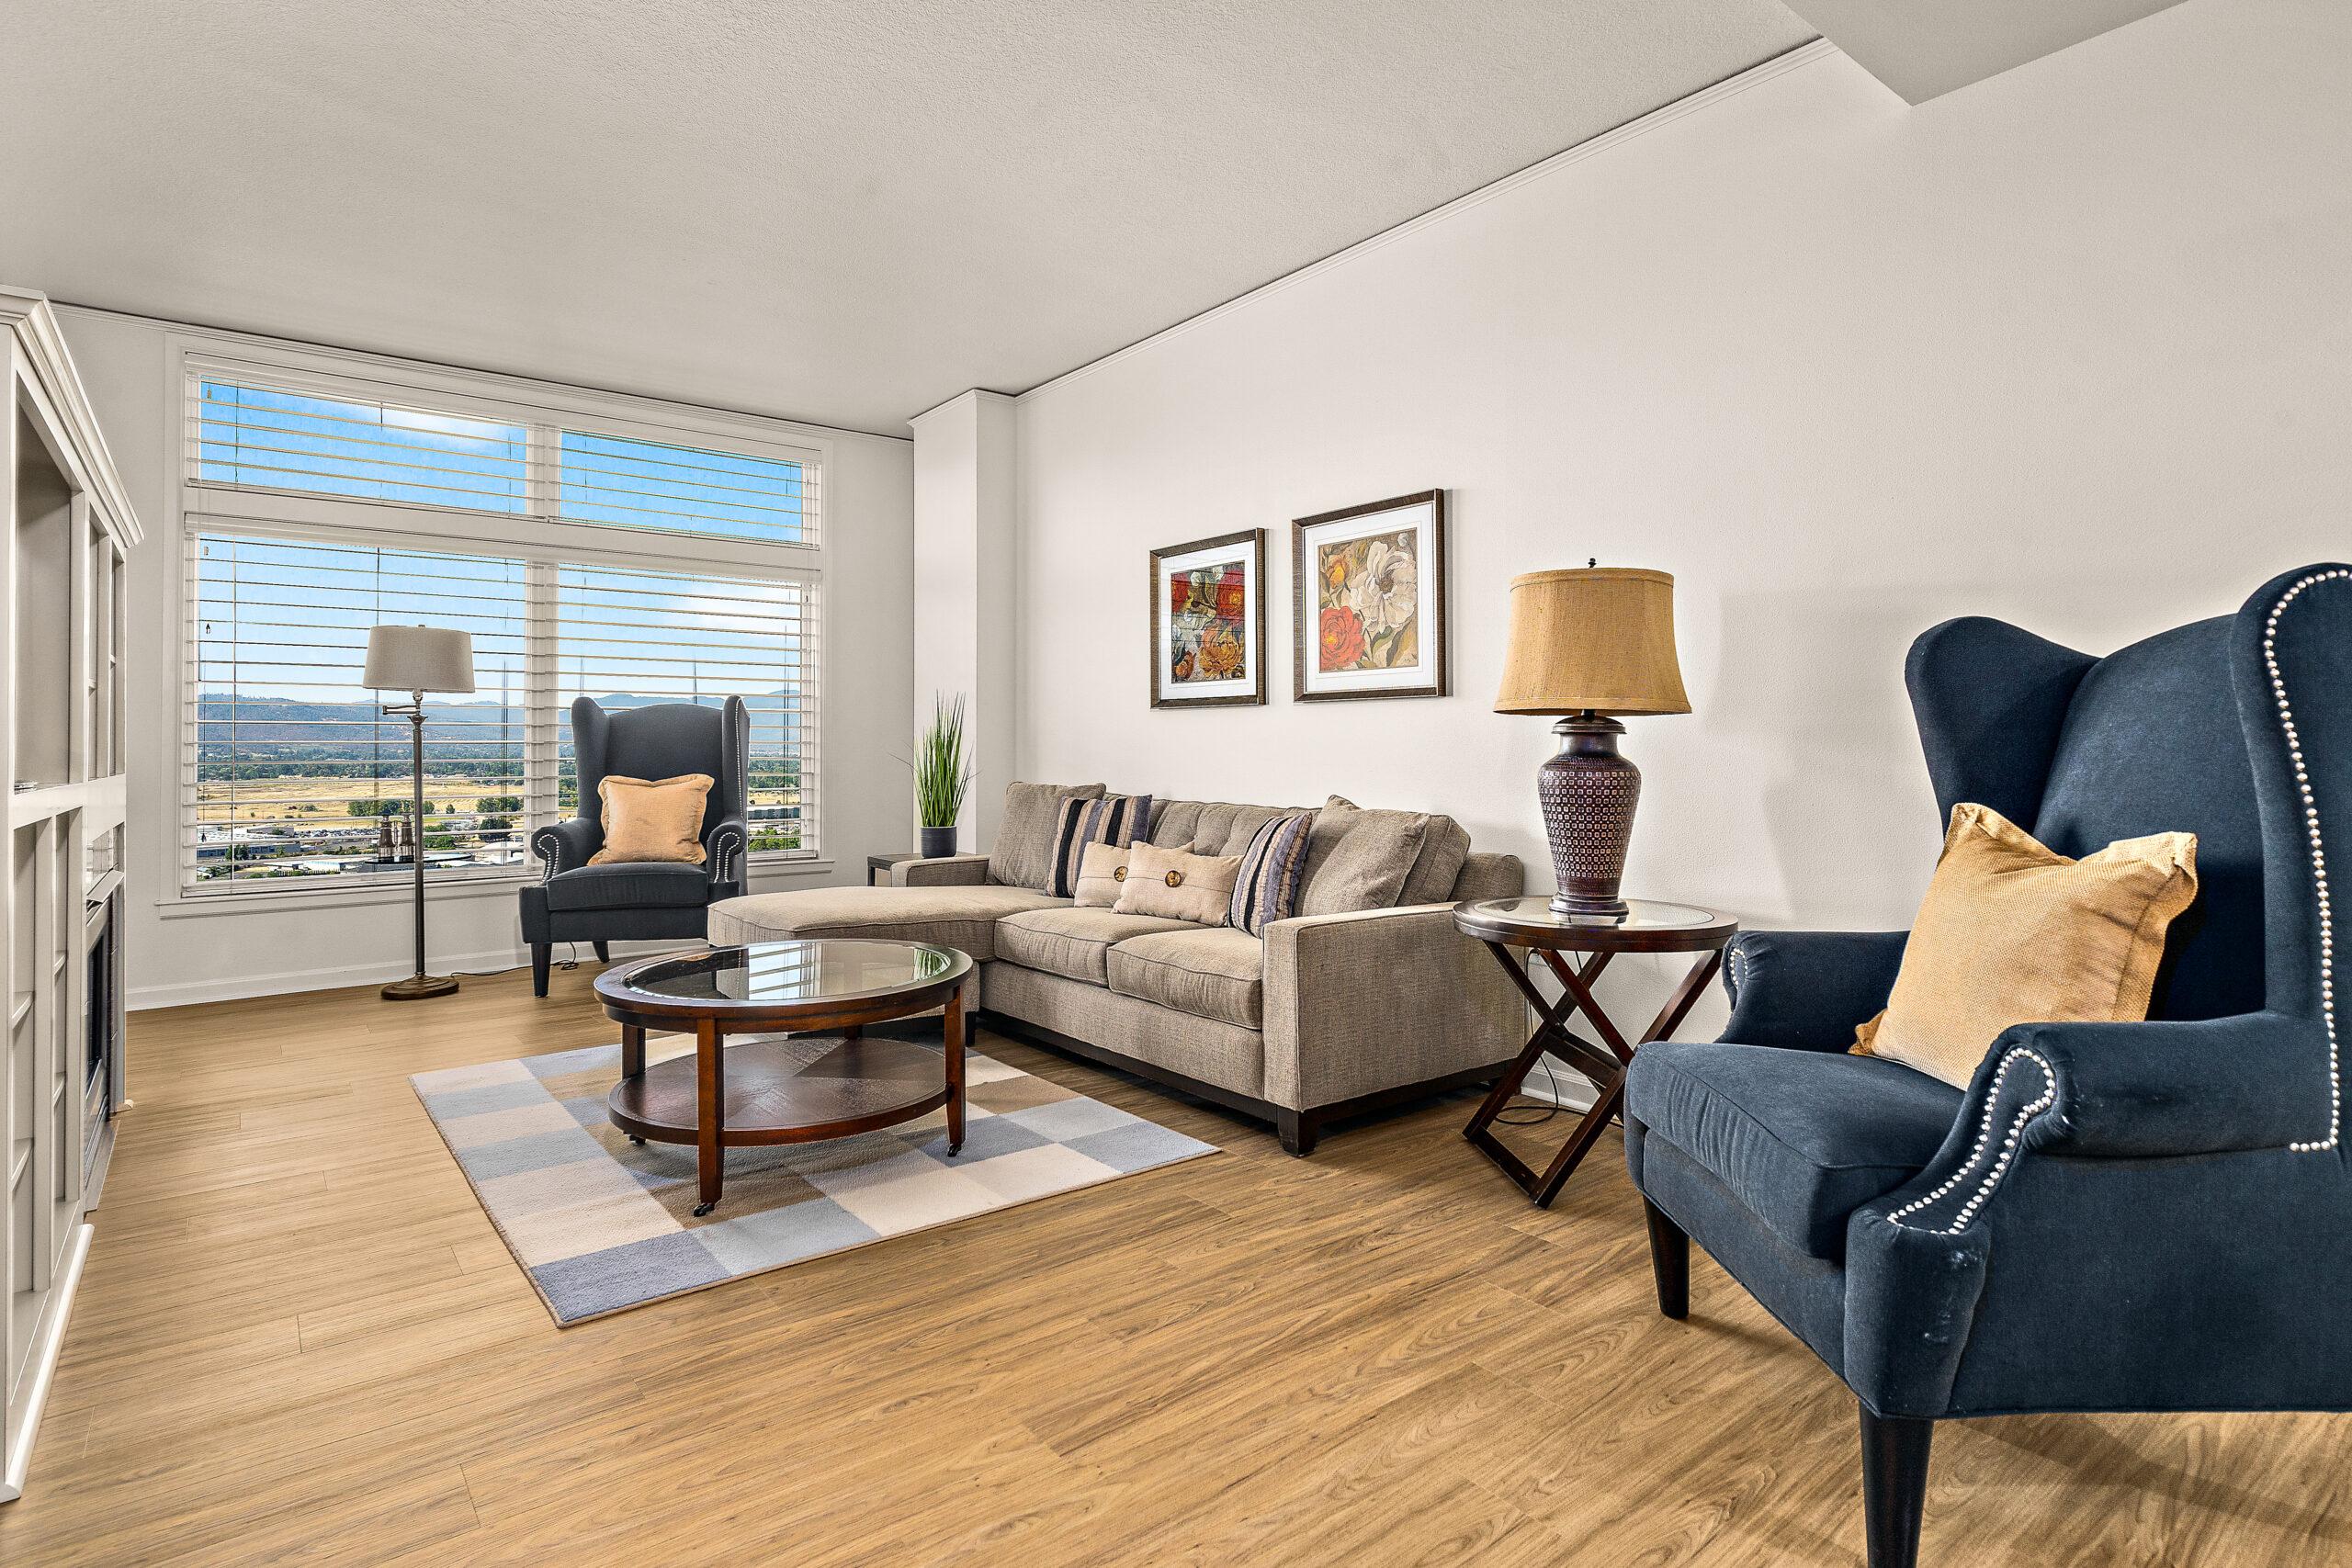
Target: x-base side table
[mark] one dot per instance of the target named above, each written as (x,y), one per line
(1576,948)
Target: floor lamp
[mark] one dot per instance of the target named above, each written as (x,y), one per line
(417,660)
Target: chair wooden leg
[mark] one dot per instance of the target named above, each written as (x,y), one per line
(541,952)
(1894,1485)
(1670,1262)
(604,952)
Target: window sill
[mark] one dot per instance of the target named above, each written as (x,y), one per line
(195,904)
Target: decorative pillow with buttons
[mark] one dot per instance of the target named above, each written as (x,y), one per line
(1102,872)
(1177,884)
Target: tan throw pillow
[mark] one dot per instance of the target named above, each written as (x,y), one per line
(1102,873)
(1177,885)
(652,819)
(1023,853)
(1358,859)
(2013,932)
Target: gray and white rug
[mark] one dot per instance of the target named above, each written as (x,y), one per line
(601,1225)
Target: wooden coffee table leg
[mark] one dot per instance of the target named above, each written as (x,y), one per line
(633,1060)
(711,1112)
(955,1049)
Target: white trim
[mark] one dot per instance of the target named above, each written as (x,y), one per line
(2027,1112)
(42,1362)
(58,385)
(1755,75)
(2319,858)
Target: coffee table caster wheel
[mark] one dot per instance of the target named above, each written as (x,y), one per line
(639,1142)
(702,1209)
(955,1149)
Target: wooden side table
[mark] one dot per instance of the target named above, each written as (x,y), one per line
(1510,926)
(878,866)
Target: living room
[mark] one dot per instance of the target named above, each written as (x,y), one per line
(1120,784)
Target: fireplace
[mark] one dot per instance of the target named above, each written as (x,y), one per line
(102,1036)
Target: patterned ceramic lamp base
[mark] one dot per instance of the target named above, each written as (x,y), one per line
(1589,793)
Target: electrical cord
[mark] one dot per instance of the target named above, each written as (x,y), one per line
(571,962)
(1533,1112)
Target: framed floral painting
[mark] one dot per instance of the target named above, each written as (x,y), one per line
(1208,622)
(1370,589)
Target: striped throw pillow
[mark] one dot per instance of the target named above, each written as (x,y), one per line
(1119,819)
(1272,870)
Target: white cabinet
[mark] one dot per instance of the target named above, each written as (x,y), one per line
(67,525)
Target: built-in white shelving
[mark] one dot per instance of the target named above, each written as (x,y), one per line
(66,525)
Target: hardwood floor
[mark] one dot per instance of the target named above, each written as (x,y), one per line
(299,1337)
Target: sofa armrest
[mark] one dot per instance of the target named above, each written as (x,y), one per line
(1808,990)
(566,845)
(726,852)
(1374,1001)
(944,871)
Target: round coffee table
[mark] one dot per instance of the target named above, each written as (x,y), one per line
(775,1091)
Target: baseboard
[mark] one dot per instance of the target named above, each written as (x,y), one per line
(235,988)
(40,1363)
(1576,1091)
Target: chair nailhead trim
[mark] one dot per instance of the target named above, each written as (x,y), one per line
(2319,860)
(1976,1200)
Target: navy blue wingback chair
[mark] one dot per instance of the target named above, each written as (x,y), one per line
(2113,1216)
(630,901)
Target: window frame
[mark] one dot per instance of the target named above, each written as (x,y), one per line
(196,506)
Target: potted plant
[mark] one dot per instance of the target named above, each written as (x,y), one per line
(942,776)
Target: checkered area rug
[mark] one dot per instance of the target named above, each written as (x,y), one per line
(601,1225)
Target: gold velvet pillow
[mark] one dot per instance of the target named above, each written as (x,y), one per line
(1103,875)
(2012,932)
(652,818)
(1178,886)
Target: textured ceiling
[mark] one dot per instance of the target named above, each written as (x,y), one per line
(838,210)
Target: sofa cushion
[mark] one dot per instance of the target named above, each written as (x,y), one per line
(1358,859)
(1072,942)
(1080,824)
(1210,827)
(1444,846)
(629,885)
(1216,973)
(1022,855)
(960,917)
(1802,1138)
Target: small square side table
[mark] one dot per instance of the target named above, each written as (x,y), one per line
(1511,927)
(878,866)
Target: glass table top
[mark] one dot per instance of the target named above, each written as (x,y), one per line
(781,973)
(1641,915)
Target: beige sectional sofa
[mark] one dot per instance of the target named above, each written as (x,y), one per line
(1328,1015)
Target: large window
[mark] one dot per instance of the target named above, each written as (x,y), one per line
(314,513)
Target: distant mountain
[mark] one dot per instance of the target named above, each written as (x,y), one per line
(293,728)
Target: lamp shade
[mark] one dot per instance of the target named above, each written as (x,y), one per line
(419,659)
(1597,639)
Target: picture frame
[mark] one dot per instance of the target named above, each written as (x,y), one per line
(1208,622)
(1368,596)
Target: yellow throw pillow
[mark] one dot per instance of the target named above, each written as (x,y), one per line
(1103,873)
(659,819)
(1178,886)
(2013,932)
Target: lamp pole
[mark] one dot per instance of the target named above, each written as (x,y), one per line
(419,985)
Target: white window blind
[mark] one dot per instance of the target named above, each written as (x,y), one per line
(291,773)
(586,555)
(249,434)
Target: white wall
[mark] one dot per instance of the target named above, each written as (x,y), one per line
(2070,346)
(966,549)
(277,942)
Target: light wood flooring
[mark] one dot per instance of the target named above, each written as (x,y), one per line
(300,1339)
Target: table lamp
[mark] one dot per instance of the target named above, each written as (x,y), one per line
(1590,643)
(417,660)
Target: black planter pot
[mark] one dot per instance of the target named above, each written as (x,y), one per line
(933,844)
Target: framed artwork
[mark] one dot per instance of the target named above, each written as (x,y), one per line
(1208,622)
(1368,585)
